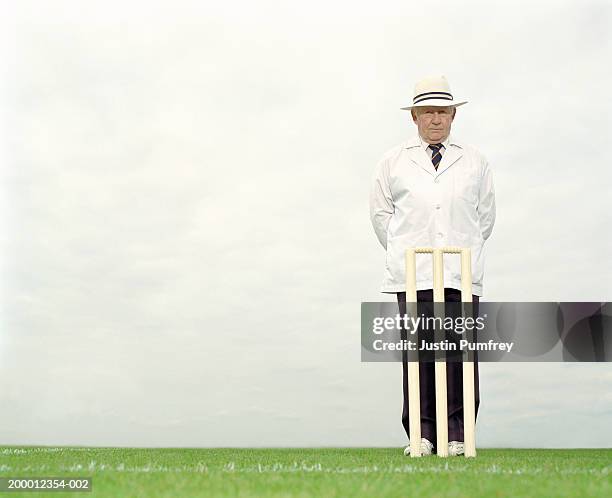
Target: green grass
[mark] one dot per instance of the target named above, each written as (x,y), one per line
(325,472)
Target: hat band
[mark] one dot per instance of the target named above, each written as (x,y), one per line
(432,95)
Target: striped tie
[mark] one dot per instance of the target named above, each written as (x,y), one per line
(436,154)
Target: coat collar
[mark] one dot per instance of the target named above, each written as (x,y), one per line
(418,155)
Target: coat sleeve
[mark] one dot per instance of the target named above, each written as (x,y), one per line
(381,201)
(486,201)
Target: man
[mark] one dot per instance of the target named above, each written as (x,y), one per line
(433,191)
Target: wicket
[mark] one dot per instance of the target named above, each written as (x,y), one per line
(469,414)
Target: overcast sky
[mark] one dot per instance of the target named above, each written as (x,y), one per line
(185,230)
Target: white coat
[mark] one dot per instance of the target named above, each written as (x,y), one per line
(413,205)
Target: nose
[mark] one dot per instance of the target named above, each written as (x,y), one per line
(436,117)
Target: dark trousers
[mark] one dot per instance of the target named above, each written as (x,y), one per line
(454,380)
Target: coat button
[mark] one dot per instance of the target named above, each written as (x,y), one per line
(437,206)
(437,180)
(440,234)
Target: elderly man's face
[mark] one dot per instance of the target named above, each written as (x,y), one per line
(434,123)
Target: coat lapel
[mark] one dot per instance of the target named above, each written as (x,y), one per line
(450,156)
(418,156)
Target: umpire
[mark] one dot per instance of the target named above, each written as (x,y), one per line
(433,191)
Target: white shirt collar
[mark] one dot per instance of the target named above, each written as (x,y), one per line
(425,145)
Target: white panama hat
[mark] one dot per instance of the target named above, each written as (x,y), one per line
(433,91)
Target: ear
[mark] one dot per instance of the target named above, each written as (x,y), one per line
(454,112)
(413,115)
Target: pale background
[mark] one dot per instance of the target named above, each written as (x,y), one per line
(185,233)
